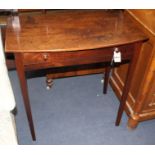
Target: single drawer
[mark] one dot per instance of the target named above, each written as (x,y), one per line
(58,59)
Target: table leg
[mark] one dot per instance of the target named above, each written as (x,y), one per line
(128,81)
(24,89)
(106,79)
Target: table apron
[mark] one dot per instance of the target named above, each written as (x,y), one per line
(60,59)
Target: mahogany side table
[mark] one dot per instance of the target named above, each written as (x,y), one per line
(72,37)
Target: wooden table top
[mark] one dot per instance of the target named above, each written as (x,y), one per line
(70,30)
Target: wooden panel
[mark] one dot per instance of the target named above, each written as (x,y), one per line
(141,68)
(146,18)
(149,102)
(150,96)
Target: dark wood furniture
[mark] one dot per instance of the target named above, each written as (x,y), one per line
(140,105)
(71,38)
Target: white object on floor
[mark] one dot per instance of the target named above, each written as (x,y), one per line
(7,103)
(7,129)
(102,81)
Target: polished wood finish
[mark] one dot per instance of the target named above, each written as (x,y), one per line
(145,17)
(72,38)
(139,105)
(23,84)
(81,30)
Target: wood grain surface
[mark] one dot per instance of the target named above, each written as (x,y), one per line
(70,30)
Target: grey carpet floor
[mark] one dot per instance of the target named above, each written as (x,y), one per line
(75,111)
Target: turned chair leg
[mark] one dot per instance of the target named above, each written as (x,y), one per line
(49,83)
(106,79)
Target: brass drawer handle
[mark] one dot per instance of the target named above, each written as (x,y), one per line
(45,56)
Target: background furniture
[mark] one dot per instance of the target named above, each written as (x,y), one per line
(141,99)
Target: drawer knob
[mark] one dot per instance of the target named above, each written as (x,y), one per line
(45,56)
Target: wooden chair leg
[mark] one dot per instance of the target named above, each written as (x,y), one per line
(106,79)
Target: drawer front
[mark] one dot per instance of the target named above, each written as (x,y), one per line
(59,59)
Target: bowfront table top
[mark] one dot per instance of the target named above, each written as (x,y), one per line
(70,30)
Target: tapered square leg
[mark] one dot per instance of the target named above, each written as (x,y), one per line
(128,81)
(23,85)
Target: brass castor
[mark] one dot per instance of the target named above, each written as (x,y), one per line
(49,83)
